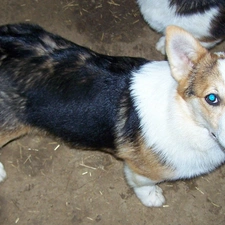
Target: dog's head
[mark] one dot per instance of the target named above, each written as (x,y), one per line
(201,80)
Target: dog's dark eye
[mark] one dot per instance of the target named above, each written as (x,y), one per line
(212,99)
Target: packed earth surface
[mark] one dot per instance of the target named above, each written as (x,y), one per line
(48,183)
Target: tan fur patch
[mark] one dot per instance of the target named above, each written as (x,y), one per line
(203,74)
(143,161)
(205,78)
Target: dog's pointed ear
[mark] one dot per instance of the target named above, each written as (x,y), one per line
(183,51)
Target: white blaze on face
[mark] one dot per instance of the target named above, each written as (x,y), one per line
(220,134)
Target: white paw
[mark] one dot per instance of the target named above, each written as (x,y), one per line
(160,46)
(2,172)
(150,196)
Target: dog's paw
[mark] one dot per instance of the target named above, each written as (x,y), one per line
(160,45)
(2,172)
(150,196)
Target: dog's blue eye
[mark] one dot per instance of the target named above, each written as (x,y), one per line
(212,99)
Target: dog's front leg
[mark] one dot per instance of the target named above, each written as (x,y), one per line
(146,189)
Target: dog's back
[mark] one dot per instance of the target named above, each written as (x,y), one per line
(51,83)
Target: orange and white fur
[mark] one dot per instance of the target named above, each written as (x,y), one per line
(165,119)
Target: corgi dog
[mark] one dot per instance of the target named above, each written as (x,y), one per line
(205,20)
(165,119)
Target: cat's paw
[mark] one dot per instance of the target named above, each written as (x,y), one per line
(160,45)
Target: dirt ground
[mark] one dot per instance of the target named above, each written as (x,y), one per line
(51,184)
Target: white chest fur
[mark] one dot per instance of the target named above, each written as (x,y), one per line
(167,125)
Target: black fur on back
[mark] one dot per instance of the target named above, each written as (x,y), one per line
(63,88)
(188,7)
(218,24)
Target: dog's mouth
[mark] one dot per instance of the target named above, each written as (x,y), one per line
(218,141)
(214,136)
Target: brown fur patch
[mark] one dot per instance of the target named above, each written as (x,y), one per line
(144,161)
(204,79)
(202,75)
